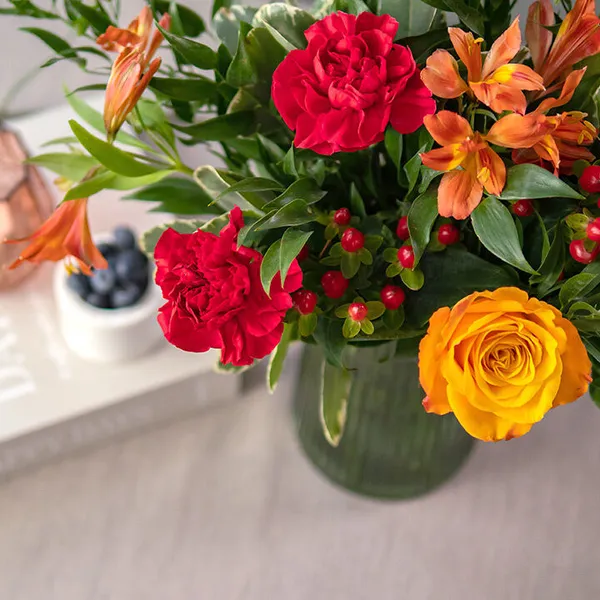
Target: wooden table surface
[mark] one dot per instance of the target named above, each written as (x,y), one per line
(223,506)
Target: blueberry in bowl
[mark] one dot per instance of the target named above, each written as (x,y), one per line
(123,283)
(111,315)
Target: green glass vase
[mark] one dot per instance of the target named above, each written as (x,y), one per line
(391,448)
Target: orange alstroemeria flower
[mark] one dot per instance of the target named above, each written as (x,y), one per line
(496,82)
(577,38)
(132,70)
(66,233)
(558,140)
(471,164)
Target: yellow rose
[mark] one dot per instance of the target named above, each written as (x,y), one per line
(500,361)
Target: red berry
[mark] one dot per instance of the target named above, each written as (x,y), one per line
(402,229)
(342,216)
(448,234)
(579,252)
(392,297)
(303,254)
(357,311)
(334,284)
(523,208)
(590,179)
(593,230)
(406,257)
(305,301)
(352,240)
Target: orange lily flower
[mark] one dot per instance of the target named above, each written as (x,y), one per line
(558,140)
(132,70)
(495,82)
(577,38)
(471,164)
(65,233)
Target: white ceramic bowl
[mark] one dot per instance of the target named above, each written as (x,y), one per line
(108,335)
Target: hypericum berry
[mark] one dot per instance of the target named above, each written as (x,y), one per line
(523,208)
(357,311)
(352,240)
(448,234)
(581,254)
(334,284)
(406,257)
(402,229)
(305,301)
(590,179)
(392,297)
(342,216)
(593,230)
(303,254)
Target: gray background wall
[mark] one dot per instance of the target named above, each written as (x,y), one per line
(20,54)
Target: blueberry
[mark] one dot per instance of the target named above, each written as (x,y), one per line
(103,281)
(107,250)
(131,266)
(124,238)
(98,300)
(79,283)
(126,296)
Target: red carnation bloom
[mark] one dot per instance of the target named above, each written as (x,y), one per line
(214,295)
(340,93)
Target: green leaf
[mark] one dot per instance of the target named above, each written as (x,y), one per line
(449,277)
(470,16)
(376,309)
(196,89)
(373,242)
(292,242)
(295,213)
(390,255)
(421,217)
(93,118)
(286,24)
(412,168)
(367,327)
(254,184)
(577,287)
(393,269)
(553,264)
(365,257)
(336,384)
(277,358)
(350,264)
(110,156)
(496,230)
(150,238)
(218,4)
(213,184)
(194,53)
(307,324)
(414,16)
(532,182)
(289,163)
(270,266)
(177,195)
(413,279)
(70,166)
(95,15)
(221,128)
(393,319)
(328,335)
(91,186)
(53,41)
(352,7)
(227,24)
(304,189)
(422,46)
(393,145)
(192,23)
(357,205)
(350,328)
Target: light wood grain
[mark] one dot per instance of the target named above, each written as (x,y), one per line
(222,506)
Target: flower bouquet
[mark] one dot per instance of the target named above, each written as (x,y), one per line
(386,187)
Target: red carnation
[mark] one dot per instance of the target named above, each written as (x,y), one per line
(214,295)
(340,93)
